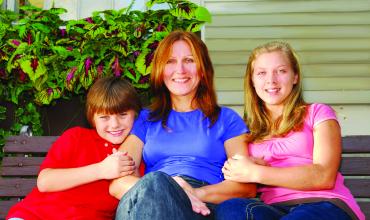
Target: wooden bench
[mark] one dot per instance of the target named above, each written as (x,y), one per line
(23,156)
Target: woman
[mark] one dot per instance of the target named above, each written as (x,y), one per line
(184,139)
(301,143)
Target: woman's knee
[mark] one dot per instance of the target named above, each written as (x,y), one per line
(156,181)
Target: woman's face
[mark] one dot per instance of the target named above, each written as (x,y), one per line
(273,79)
(180,73)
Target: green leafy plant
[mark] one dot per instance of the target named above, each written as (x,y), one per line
(43,58)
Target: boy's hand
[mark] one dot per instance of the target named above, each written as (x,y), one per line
(116,165)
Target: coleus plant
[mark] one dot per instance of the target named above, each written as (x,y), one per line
(43,58)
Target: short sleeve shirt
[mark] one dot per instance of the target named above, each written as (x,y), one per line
(189,145)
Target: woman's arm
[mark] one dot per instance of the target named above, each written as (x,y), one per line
(228,189)
(321,174)
(134,147)
(115,165)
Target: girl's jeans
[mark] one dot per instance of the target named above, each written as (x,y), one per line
(247,209)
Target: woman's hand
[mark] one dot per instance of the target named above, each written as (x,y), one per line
(197,205)
(242,169)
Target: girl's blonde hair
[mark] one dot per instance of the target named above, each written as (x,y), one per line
(255,114)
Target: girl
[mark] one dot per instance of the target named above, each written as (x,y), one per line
(301,143)
(75,175)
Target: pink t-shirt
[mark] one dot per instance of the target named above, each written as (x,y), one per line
(297,149)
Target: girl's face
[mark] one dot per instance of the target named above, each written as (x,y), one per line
(115,127)
(273,79)
(180,73)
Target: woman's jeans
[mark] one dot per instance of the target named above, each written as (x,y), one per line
(253,209)
(157,196)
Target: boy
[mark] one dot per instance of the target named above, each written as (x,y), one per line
(74,178)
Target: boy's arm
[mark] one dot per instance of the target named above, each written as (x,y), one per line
(113,166)
(134,147)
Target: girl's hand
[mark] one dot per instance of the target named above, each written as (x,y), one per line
(118,164)
(242,169)
(197,205)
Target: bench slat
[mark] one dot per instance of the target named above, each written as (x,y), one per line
(365,208)
(16,187)
(25,144)
(29,166)
(21,166)
(356,144)
(360,188)
(355,166)
(5,206)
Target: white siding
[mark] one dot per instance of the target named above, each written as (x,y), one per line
(331,37)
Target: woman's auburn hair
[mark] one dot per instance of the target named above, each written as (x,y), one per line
(255,113)
(205,97)
(111,95)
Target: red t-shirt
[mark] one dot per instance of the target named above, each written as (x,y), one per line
(75,148)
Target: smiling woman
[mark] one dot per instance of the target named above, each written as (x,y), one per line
(184,137)
(180,73)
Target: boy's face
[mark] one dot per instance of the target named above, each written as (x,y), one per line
(114,128)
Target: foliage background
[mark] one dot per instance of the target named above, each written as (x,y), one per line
(43,58)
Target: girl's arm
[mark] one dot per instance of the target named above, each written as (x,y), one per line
(319,175)
(115,165)
(228,189)
(134,147)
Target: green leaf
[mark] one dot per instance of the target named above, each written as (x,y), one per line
(20,50)
(27,68)
(62,51)
(22,31)
(120,49)
(194,27)
(58,11)
(42,97)
(2,109)
(142,85)
(39,83)
(47,95)
(202,14)
(86,80)
(41,27)
(15,93)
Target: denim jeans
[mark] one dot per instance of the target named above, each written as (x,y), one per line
(157,196)
(253,209)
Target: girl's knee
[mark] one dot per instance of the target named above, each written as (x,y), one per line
(233,208)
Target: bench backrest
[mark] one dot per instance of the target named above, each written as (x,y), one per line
(23,156)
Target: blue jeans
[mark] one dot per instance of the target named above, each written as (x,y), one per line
(158,197)
(253,209)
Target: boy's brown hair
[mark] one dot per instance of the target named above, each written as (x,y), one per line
(111,95)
